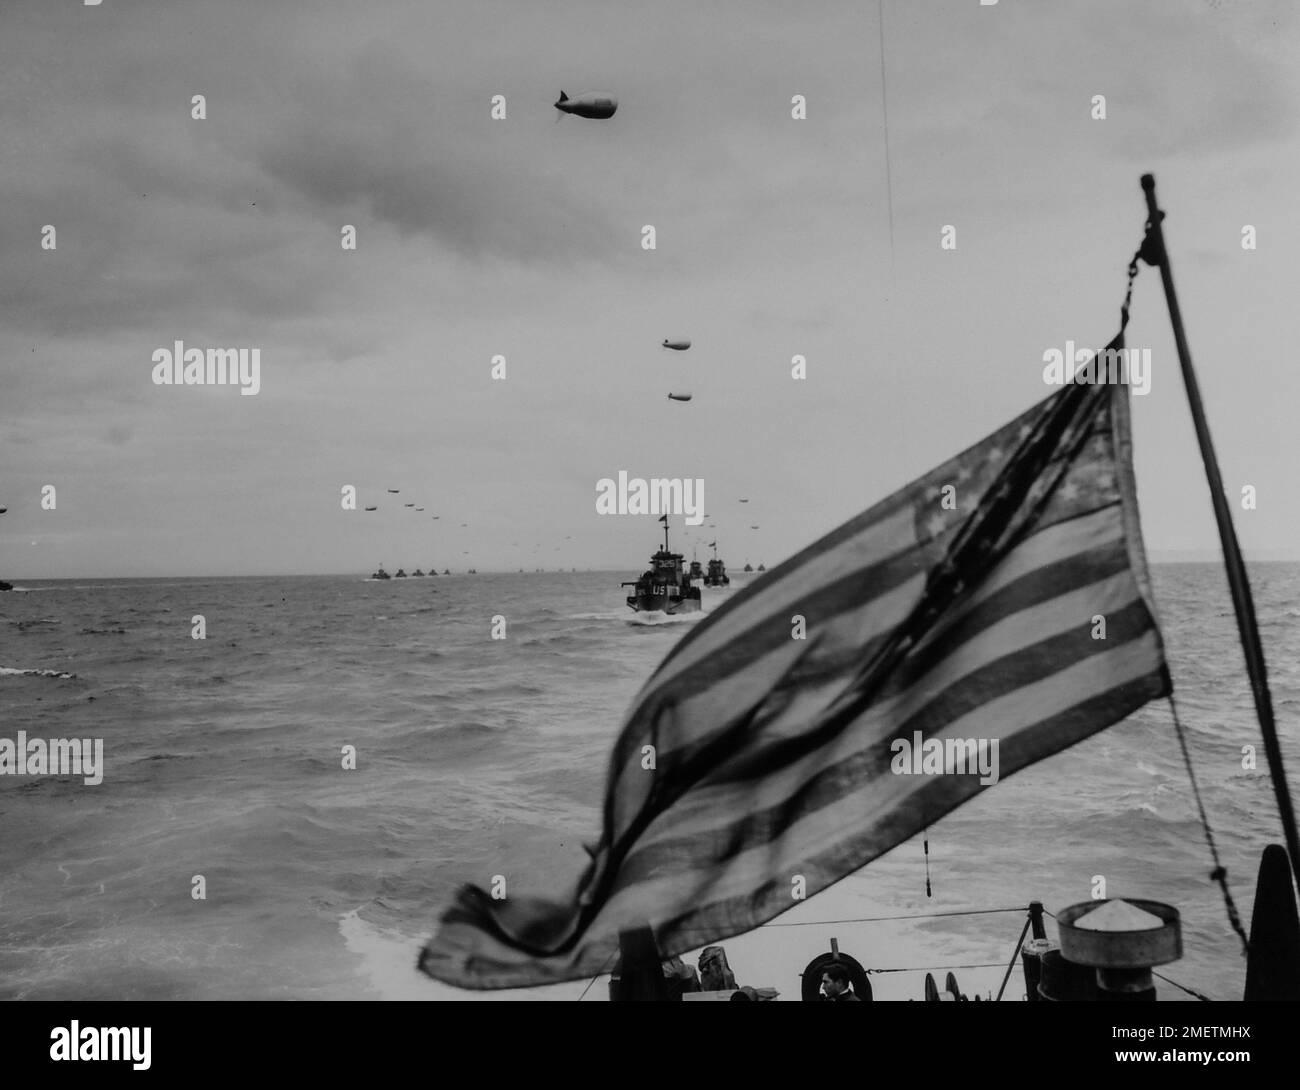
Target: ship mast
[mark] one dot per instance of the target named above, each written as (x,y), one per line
(1242,602)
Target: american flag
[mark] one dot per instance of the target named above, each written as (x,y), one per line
(963,606)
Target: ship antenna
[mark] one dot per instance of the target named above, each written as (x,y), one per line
(1154,253)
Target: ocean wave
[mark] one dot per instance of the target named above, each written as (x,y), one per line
(386,962)
(657,619)
(14,671)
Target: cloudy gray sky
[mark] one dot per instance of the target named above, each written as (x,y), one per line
(522,237)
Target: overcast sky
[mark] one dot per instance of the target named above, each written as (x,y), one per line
(523,237)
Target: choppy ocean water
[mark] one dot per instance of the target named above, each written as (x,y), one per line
(478,757)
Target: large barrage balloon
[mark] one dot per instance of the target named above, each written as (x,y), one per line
(593,104)
(679,397)
(678,345)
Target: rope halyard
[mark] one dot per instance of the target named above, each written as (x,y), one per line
(1132,275)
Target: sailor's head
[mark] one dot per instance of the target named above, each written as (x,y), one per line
(835,981)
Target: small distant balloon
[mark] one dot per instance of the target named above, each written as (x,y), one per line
(679,397)
(594,104)
(678,345)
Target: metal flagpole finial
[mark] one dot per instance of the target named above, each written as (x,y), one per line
(1151,251)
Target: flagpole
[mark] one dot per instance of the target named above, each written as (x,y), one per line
(1243,604)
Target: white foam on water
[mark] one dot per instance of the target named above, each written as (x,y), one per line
(388,965)
(14,671)
(655,618)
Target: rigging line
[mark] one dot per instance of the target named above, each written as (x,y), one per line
(893,285)
(1220,872)
(932,968)
(913,916)
(884,106)
(598,975)
(1020,944)
(1189,991)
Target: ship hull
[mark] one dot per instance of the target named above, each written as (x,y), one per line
(662,603)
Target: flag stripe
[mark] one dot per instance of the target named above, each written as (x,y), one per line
(770,778)
(1102,528)
(854,592)
(882,558)
(733,913)
(969,666)
(875,806)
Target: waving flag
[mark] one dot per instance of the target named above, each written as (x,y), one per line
(1001,598)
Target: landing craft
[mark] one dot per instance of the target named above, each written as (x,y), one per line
(677,346)
(593,104)
(679,397)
